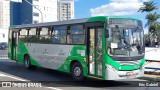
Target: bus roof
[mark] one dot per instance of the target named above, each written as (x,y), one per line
(73,21)
(50,23)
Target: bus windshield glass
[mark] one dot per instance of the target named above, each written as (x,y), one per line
(125,42)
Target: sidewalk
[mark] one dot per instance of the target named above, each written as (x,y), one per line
(148,77)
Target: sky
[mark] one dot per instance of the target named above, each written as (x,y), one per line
(89,8)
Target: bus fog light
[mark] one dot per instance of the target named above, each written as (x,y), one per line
(120,68)
(110,67)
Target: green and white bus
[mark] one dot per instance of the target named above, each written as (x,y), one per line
(102,47)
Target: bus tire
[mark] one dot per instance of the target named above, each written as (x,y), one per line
(27,62)
(77,71)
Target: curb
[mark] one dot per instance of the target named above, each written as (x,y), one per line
(152,72)
(150,78)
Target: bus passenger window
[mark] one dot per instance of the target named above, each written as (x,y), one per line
(78,34)
(44,35)
(33,38)
(23,35)
(59,35)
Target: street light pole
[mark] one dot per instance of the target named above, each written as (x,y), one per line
(25,21)
(35,8)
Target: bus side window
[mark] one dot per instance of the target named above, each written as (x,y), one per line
(59,35)
(23,35)
(78,34)
(45,37)
(55,37)
(33,38)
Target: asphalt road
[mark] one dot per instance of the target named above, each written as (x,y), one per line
(11,71)
(3,53)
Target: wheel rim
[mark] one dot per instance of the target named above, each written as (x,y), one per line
(27,62)
(77,71)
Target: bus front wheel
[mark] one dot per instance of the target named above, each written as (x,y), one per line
(77,71)
(27,62)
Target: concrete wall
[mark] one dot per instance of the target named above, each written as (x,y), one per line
(152,53)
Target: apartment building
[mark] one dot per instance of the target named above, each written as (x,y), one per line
(65,10)
(4,13)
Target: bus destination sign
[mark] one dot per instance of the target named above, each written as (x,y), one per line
(125,21)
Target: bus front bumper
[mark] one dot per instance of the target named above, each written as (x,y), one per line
(113,74)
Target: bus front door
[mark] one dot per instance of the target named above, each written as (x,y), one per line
(95,51)
(14,45)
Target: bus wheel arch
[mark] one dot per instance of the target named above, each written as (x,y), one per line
(76,70)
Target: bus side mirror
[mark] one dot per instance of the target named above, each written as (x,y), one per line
(107,33)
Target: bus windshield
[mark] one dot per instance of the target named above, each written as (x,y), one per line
(125,42)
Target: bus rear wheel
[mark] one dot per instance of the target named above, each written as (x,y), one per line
(27,62)
(77,71)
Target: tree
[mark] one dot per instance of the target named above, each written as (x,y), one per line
(152,18)
(148,7)
(152,22)
(147,40)
(158,32)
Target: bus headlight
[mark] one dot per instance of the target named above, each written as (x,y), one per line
(110,67)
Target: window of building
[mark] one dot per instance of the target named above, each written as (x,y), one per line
(35,21)
(35,14)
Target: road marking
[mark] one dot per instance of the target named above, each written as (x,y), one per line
(4,75)
(53,88)
(3,57)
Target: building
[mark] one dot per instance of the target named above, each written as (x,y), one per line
(44,11)
(33,11)
(17,12)
(3,35)
(4,13)
(65,10)
(5,16)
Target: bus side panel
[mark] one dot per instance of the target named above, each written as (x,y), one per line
(22,51)
(50,56)
(57,57)
(78,53)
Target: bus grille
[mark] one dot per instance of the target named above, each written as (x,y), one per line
(129,62)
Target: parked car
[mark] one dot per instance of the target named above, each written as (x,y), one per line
(3,45)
